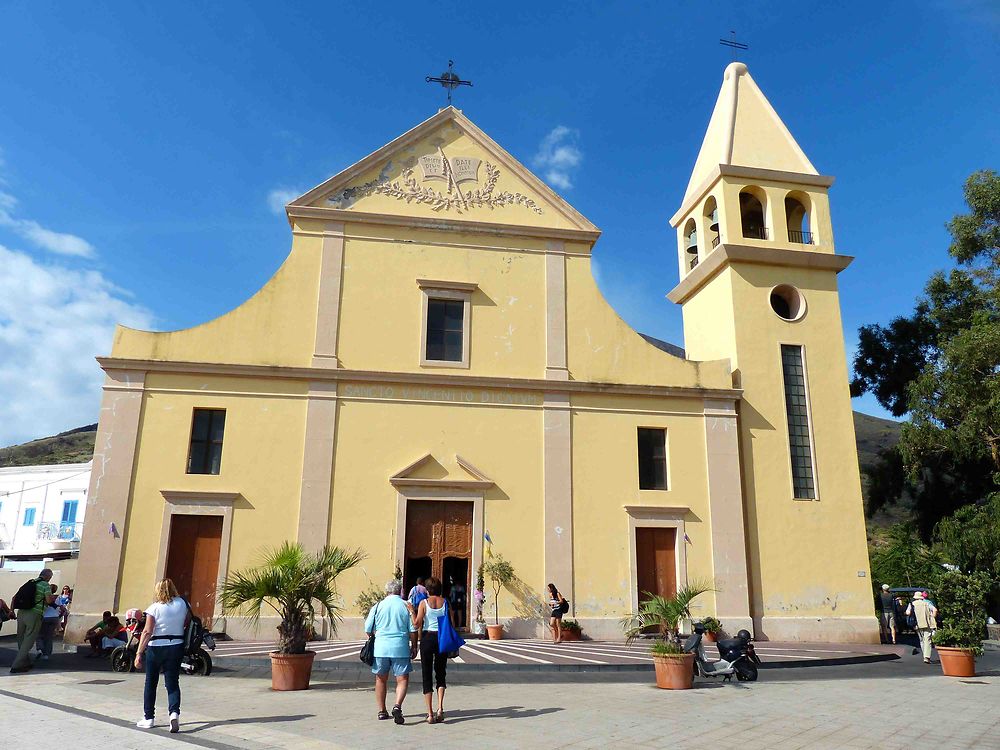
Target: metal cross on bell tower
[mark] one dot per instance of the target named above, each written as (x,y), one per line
(736,46)
(449,79)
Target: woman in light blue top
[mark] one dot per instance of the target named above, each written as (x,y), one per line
(432,664)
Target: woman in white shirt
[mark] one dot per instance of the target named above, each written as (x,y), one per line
(163,639)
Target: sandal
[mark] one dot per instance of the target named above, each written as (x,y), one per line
(440,717)
(397,715)
(383,715)
(431,719)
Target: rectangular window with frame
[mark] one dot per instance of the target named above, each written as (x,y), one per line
(205,453)
(652,458)
(29,517)
(445,330)
(797,411)
(69,511)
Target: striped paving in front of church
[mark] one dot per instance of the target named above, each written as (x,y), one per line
(541,653)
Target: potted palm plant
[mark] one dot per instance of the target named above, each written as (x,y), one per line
(662,614)
(501,573)
(712,628)
(298,586)
(961,599)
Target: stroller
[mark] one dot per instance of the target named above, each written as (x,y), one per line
(196,659)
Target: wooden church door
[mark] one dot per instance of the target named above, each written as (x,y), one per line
(439,543)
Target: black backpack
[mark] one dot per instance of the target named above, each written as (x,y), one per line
(26,596)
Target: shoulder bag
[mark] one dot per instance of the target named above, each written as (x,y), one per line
(449,641)
(367,654)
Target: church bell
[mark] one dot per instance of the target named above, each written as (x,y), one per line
(714,220)
(692,243)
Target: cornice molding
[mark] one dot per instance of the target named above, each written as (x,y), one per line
(727,254)
(201,496)
(320,374)
(468,226)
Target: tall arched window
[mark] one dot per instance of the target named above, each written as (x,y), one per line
(712,222)
(752,214)
(691,244)
(797,218)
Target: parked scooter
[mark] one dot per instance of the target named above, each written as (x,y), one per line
(738,656)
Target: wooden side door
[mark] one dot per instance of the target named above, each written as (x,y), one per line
(193,561)
(656,563)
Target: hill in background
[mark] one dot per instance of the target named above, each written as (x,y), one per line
(873,435)
(71,447)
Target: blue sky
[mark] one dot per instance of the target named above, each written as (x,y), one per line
(144,147)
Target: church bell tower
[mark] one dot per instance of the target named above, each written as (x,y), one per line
(758,286)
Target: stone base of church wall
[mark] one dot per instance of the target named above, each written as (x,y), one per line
(862,629)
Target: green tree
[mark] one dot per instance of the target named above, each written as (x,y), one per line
(900,558)
(970,539)
(941,366)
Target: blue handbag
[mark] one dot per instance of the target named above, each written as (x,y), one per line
(449,642)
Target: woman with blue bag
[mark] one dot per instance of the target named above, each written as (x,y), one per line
(438,640)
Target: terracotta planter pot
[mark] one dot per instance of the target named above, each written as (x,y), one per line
(495,632)
(957,662)
(711,637)
(571,635)
(674,672)
(291,671)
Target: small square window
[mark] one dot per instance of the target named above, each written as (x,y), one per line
(652,459)
(205,451)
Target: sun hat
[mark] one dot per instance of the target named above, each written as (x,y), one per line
(885,586)
(918,594)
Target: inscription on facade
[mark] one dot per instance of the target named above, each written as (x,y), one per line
(452,395)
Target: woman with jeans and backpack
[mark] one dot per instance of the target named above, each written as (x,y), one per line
(162,642)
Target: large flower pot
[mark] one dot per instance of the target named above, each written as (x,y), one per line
(674,672)
(711,637)
(957,662)
(291,671)
(570,635)
(495,632)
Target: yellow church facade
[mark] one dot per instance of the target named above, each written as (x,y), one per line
(433,376)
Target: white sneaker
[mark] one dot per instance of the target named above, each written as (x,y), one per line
(175,723)
(144,724)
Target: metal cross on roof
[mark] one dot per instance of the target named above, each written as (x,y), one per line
(449,79)
(731,42)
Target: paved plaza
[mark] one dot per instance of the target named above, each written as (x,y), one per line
(895,703)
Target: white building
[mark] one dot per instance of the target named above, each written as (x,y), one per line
(42,509)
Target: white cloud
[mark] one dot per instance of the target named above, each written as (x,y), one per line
(53,321)
(55,242)
(279,197)
(559,156)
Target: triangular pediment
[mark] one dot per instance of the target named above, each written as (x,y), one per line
(427,471)
(745,131)
(445,168)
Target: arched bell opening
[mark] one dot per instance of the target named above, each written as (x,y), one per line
(690,244)
(711,214)
(797,219)
(752,214)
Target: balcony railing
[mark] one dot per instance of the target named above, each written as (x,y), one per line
(803,238)
(755,233)
(715,241)
(58,535)
(693,263)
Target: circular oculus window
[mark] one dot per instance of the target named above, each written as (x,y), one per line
(788,302)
